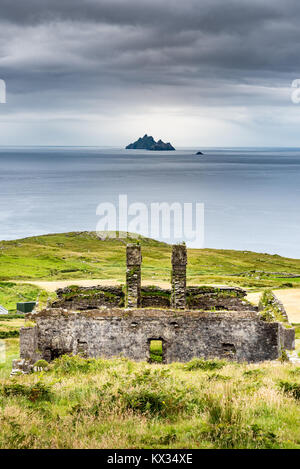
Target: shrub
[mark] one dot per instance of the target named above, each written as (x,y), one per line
(147,401)
(218,377)
(9,334)
(292,389)
(156,393)
(34,392)
(256,373)
(67,364)
(295,371)
(284,356)
(41,365)
(206,365)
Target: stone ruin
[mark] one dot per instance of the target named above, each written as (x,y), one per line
(206,322)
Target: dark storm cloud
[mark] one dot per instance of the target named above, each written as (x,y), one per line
(208,14)
(117,51)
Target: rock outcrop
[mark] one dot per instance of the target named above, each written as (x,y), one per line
(148,143)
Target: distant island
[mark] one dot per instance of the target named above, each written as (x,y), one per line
(148,143)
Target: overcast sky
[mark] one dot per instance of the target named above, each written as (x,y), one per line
(193,72)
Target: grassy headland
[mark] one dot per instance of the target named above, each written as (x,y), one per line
(84,256)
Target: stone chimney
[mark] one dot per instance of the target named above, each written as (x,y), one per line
(179,261)
(133,276)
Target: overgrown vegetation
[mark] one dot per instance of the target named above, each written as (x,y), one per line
(207,365)
(270,311)
(96,403)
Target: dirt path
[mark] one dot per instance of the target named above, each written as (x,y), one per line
(53,286)
(290,299)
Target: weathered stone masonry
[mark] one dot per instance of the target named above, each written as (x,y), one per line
(133,276)
(179,261)
(202,298)
(92,330)
(188,334)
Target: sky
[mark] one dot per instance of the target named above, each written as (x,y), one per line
(196,73)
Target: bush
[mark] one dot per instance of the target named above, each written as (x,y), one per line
(256,373)
(295,371)
(35,392)
(72,364)
(292,389)
(41,365)
(147,401)
(156,393)
(206,365)
(9,334)
(284,356)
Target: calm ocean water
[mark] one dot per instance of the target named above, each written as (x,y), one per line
(251,196)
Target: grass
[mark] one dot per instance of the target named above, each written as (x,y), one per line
(84,255)
(10,326)
(97,403)
(9,350)
(12,293)
(156,351)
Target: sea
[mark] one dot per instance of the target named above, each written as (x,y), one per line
(250,197)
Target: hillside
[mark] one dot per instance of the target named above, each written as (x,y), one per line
(84,256)
(99,403)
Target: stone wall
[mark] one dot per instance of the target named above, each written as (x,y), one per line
(82,298)
(178,277)
(287,337)
(202,297)
(133,276)
(155,297)
(29,344)
(184,334)
(218,299)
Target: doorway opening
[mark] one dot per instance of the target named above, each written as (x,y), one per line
(155,351)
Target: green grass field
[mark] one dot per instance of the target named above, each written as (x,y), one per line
(12,293)
(122,404)
(85,256)
(9,350)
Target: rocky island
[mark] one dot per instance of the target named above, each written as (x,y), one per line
(148,143)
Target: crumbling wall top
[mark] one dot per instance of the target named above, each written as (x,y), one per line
(179,254)
(133,254)
(145,313)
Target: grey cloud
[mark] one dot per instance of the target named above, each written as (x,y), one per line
(113,54)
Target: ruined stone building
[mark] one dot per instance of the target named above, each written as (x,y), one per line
(190,322)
